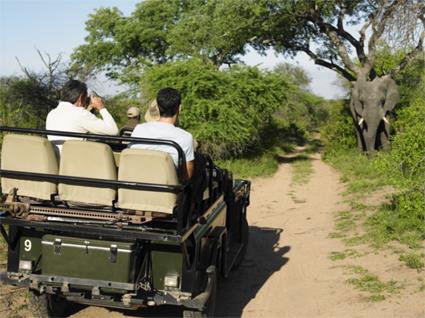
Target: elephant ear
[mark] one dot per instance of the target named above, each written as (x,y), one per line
(355,104)
(392,95)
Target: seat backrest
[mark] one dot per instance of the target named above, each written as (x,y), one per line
(90,160)
(26,153)
(147,166)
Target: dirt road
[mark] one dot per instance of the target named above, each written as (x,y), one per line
(287,271)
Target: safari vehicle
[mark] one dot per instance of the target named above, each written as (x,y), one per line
(107,225)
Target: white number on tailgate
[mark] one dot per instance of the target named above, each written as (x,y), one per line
(27,245)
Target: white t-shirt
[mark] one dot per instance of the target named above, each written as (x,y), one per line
(165,131)
(68,117)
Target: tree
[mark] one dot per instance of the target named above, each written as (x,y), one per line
(300,26)
(162,31)
(121,46)
(26,100)
(215,31)
(228,111)
(297,74)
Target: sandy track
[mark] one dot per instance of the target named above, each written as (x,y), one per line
(288,272)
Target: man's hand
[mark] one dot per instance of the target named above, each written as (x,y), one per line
(96,102)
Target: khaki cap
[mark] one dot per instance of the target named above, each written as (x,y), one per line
(133,112)
(152,114)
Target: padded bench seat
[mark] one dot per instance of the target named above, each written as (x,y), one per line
(26,153)
(147,166)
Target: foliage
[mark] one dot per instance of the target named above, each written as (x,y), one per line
(302,170)
(215,31)
(228,111)
(403,168)
(408,79)
(338,133)
(293,26)
(413,260)
(264,164)
(406,216)
(118,105)
(162,31)
(296,73)
(121,45)
(23,103)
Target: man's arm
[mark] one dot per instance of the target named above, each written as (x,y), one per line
(94,125)
(189,170)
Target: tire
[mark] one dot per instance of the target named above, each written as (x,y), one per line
(209,311)
(244,241)
(46,305)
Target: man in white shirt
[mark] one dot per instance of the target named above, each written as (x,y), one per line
(168,100)
(71,114)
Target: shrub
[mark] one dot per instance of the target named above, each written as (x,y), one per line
(338,132)
(406,162)
(229,111)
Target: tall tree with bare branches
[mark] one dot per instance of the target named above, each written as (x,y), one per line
(323,30)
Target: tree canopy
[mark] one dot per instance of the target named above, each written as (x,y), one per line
(219,32)
(319,28)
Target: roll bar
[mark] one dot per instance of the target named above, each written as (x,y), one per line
(92,181)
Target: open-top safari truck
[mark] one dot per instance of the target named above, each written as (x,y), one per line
(111,226)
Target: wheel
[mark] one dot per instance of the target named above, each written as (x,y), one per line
(210,305)
(45,305)
(244,241)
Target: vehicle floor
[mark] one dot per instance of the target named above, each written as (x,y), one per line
(288,271)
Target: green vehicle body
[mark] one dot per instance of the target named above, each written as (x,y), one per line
(130,266)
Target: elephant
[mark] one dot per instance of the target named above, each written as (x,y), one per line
(371,102)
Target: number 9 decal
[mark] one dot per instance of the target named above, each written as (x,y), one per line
(27,245)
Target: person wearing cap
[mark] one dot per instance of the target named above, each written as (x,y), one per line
(133,119)
(168,100)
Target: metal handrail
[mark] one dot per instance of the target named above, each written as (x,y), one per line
(181,155)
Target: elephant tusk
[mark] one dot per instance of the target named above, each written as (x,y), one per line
(385,120)
(361,121)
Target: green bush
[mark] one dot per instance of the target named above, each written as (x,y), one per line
(405,170)
(403,167)
(228,111)
(338,132)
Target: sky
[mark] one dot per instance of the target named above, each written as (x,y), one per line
(58,26)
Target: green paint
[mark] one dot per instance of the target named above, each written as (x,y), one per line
(165,263)
(90,259)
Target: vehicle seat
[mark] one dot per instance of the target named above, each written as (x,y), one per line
(90,160)
(29,154)
(147,166)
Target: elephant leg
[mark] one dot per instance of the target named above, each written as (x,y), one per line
(360,140)
(385,136)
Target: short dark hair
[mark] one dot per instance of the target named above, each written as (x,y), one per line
(72,90)
(168,100)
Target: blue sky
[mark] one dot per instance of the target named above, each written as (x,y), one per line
(58,26)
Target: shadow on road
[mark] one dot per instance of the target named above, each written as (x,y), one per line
(263,258)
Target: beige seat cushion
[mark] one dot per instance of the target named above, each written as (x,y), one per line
(147,166)
(90,160)
(29,154)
